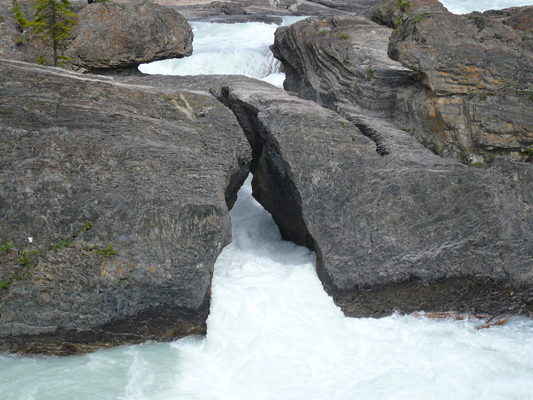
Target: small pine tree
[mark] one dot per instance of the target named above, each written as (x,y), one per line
(402,6)
(53,21)
(18,14)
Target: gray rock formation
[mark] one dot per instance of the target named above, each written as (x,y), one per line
(110,38)
(456,86)
(118,37)
(88,167)
(263,10)
(405,231)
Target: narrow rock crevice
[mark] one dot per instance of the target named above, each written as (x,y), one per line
(272,185)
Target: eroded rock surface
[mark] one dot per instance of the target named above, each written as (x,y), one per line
(117,37)
(459,83)
(89,164)
(481,72)
(406,231)
(110,38)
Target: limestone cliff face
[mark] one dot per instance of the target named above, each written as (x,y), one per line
(455,82)
(89,164)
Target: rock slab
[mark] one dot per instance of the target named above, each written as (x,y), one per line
(405,231)
(89,164)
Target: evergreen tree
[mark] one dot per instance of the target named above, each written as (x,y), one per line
(18,14)
(53,21)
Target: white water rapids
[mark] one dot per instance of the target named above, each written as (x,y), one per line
(274,334)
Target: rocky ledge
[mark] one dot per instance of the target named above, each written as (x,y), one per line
(113,208)
(124,186)
(458,83)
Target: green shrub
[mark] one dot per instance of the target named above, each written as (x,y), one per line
(25,259)
(107,252)
(65,243)
(436,146)
(18,15)
(369,74)
(464,156)
(41,60)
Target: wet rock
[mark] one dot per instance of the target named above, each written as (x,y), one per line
(124,191)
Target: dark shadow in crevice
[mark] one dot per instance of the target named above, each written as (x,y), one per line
(272,184)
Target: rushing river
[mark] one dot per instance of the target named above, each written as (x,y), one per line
(273,333)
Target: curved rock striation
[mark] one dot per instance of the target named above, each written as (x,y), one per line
(406,231)
(124,191)
(343,60)
(455,82)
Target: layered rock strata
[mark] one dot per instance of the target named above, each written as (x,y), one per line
(457,82)
(115,200)
(147,167)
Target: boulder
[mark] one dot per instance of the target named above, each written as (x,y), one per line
(454,85)
(114,206)
(110,38)
(115,37)
(402,231)
(343,60)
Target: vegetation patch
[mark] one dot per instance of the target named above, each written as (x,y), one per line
(527,153)
(529,95)
(419,18)
(319,32)
(106,252)
(402,6)
(65,243)
(369,74)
